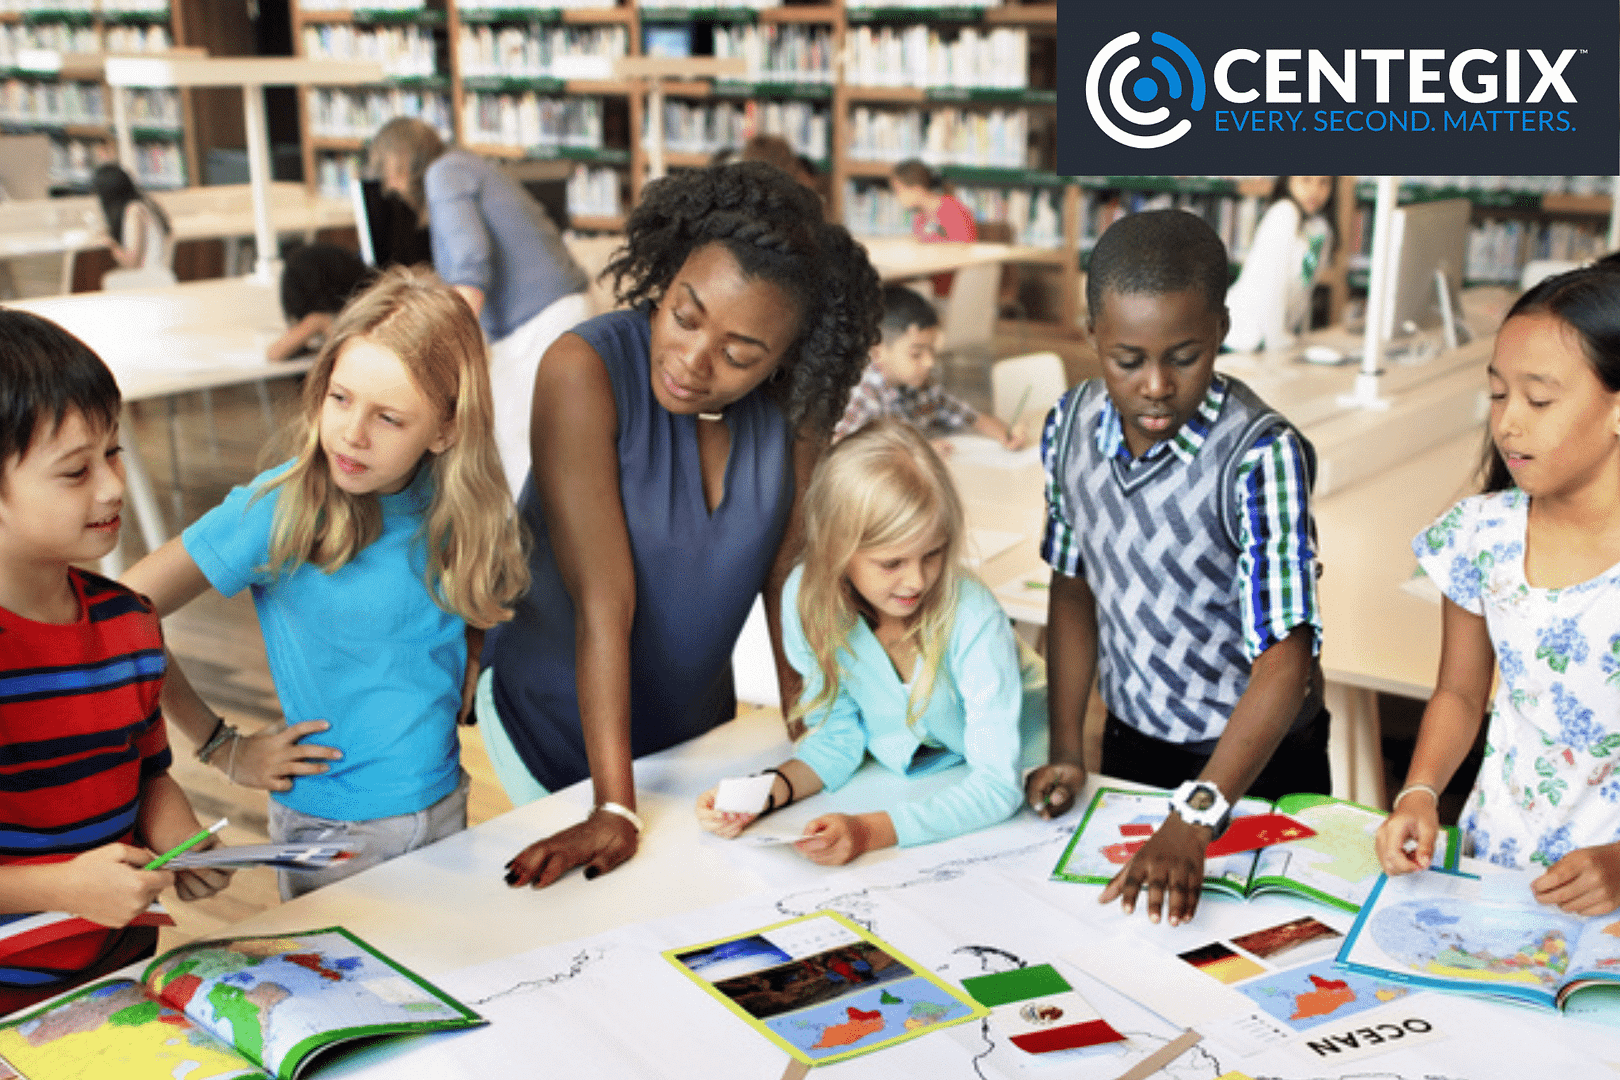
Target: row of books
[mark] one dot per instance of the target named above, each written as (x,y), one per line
(336,172)
(557,51)
(942,136)
(403,51)
(87,7)
(1498,250)
(389,5)
(594,191)
(73,160)
(928,56)
(1034,214)
(703,127)
(160,165)
(1530,185)
(63,38)
(339,113)
(787,54)
(23,101)
(530,121)
(154,108)
(1234,219)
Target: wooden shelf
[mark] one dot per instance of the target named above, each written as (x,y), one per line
(681,159)
(800,13)
(1594,205)
(341,143)
(1022,15)
(905,95)
(596,222)
(869,168)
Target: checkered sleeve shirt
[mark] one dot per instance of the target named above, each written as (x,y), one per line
(1277,551)
(929,407)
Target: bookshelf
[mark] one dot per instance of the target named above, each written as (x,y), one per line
(51,60)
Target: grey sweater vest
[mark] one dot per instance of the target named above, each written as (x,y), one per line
(1159,545)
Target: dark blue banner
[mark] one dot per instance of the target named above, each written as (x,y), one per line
(1372,87)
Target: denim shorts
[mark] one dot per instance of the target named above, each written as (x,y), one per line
(383,838)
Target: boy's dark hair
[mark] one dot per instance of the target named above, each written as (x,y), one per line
(773,226)
(915,172)
(903,308)
(321,277)
(1157,252)
(44,372)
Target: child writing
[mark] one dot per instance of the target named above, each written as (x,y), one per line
(899,379)
(1530,572)
(902,653)
(1179,534)
(370,554)
(1271,300)
(88,799)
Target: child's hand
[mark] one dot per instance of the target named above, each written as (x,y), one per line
(1405,841)
(1584,882)
(1170,866)
(203,882)
(273,755)
(726,823)
(833,840)
(1051,789)
(107,885)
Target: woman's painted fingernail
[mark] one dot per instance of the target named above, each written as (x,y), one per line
(511,877)
(591,872)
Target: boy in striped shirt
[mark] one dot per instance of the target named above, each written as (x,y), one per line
(1180,538)
(85,794)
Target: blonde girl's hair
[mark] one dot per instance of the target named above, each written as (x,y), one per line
(418,145)
(882,486)
(475,562)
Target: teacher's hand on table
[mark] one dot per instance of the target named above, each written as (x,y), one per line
(599,843)
(728,824)
(1170,866)
(1584,882)
(1051,789)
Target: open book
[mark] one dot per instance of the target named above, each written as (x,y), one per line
(241,1007)
(1487,935)
(1337,866)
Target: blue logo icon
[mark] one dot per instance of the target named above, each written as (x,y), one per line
(1187,90)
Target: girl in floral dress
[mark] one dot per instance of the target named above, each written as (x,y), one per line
(1531,575)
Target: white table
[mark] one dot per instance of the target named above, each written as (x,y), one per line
(897,258)
(984,900)
(161,342)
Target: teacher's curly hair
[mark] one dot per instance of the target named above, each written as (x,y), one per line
(774,228)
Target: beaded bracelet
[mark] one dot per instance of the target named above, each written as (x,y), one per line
(216,739)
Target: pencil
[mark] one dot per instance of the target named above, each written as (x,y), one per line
(185,845)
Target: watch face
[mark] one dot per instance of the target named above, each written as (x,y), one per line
(1201,798)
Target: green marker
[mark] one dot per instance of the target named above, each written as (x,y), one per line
(185,845)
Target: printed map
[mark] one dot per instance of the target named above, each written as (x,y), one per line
(113,1032)
(269,995)
(880,1013)
(1318,994)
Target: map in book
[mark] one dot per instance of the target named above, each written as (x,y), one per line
(109,1033)
(269,995)
(1448,937)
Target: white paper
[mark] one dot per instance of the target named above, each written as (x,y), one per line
(986,452)
(744,794)
(985,544)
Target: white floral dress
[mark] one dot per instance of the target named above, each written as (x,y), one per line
(1549,783)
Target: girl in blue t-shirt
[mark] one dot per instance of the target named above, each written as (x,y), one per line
(376,558)
(903,654)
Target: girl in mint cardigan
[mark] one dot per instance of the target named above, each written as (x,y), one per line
(903,654)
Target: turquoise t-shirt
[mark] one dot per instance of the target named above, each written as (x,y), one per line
(364,648)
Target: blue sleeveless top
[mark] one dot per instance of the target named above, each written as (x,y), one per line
(697,573)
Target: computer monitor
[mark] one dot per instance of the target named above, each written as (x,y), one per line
(1428,246)
(389,232)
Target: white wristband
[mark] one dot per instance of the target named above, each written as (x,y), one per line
(624,812)
(1408,789)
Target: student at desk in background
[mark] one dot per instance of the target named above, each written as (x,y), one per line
(899,380)
(376,556)
(903,653)
(1530,572)
(138,231)
(1270,303)
(88,798)
(317,280)
(935,213)
(1179,534)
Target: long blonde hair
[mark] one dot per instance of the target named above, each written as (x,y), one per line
(475,562)
(882,486)
(416,145)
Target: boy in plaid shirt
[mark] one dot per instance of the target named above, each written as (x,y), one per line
(899,380)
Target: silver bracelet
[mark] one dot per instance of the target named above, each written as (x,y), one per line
(222,731)
(1408,789)
(624,812)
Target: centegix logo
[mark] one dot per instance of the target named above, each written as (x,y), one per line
(1436,87)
